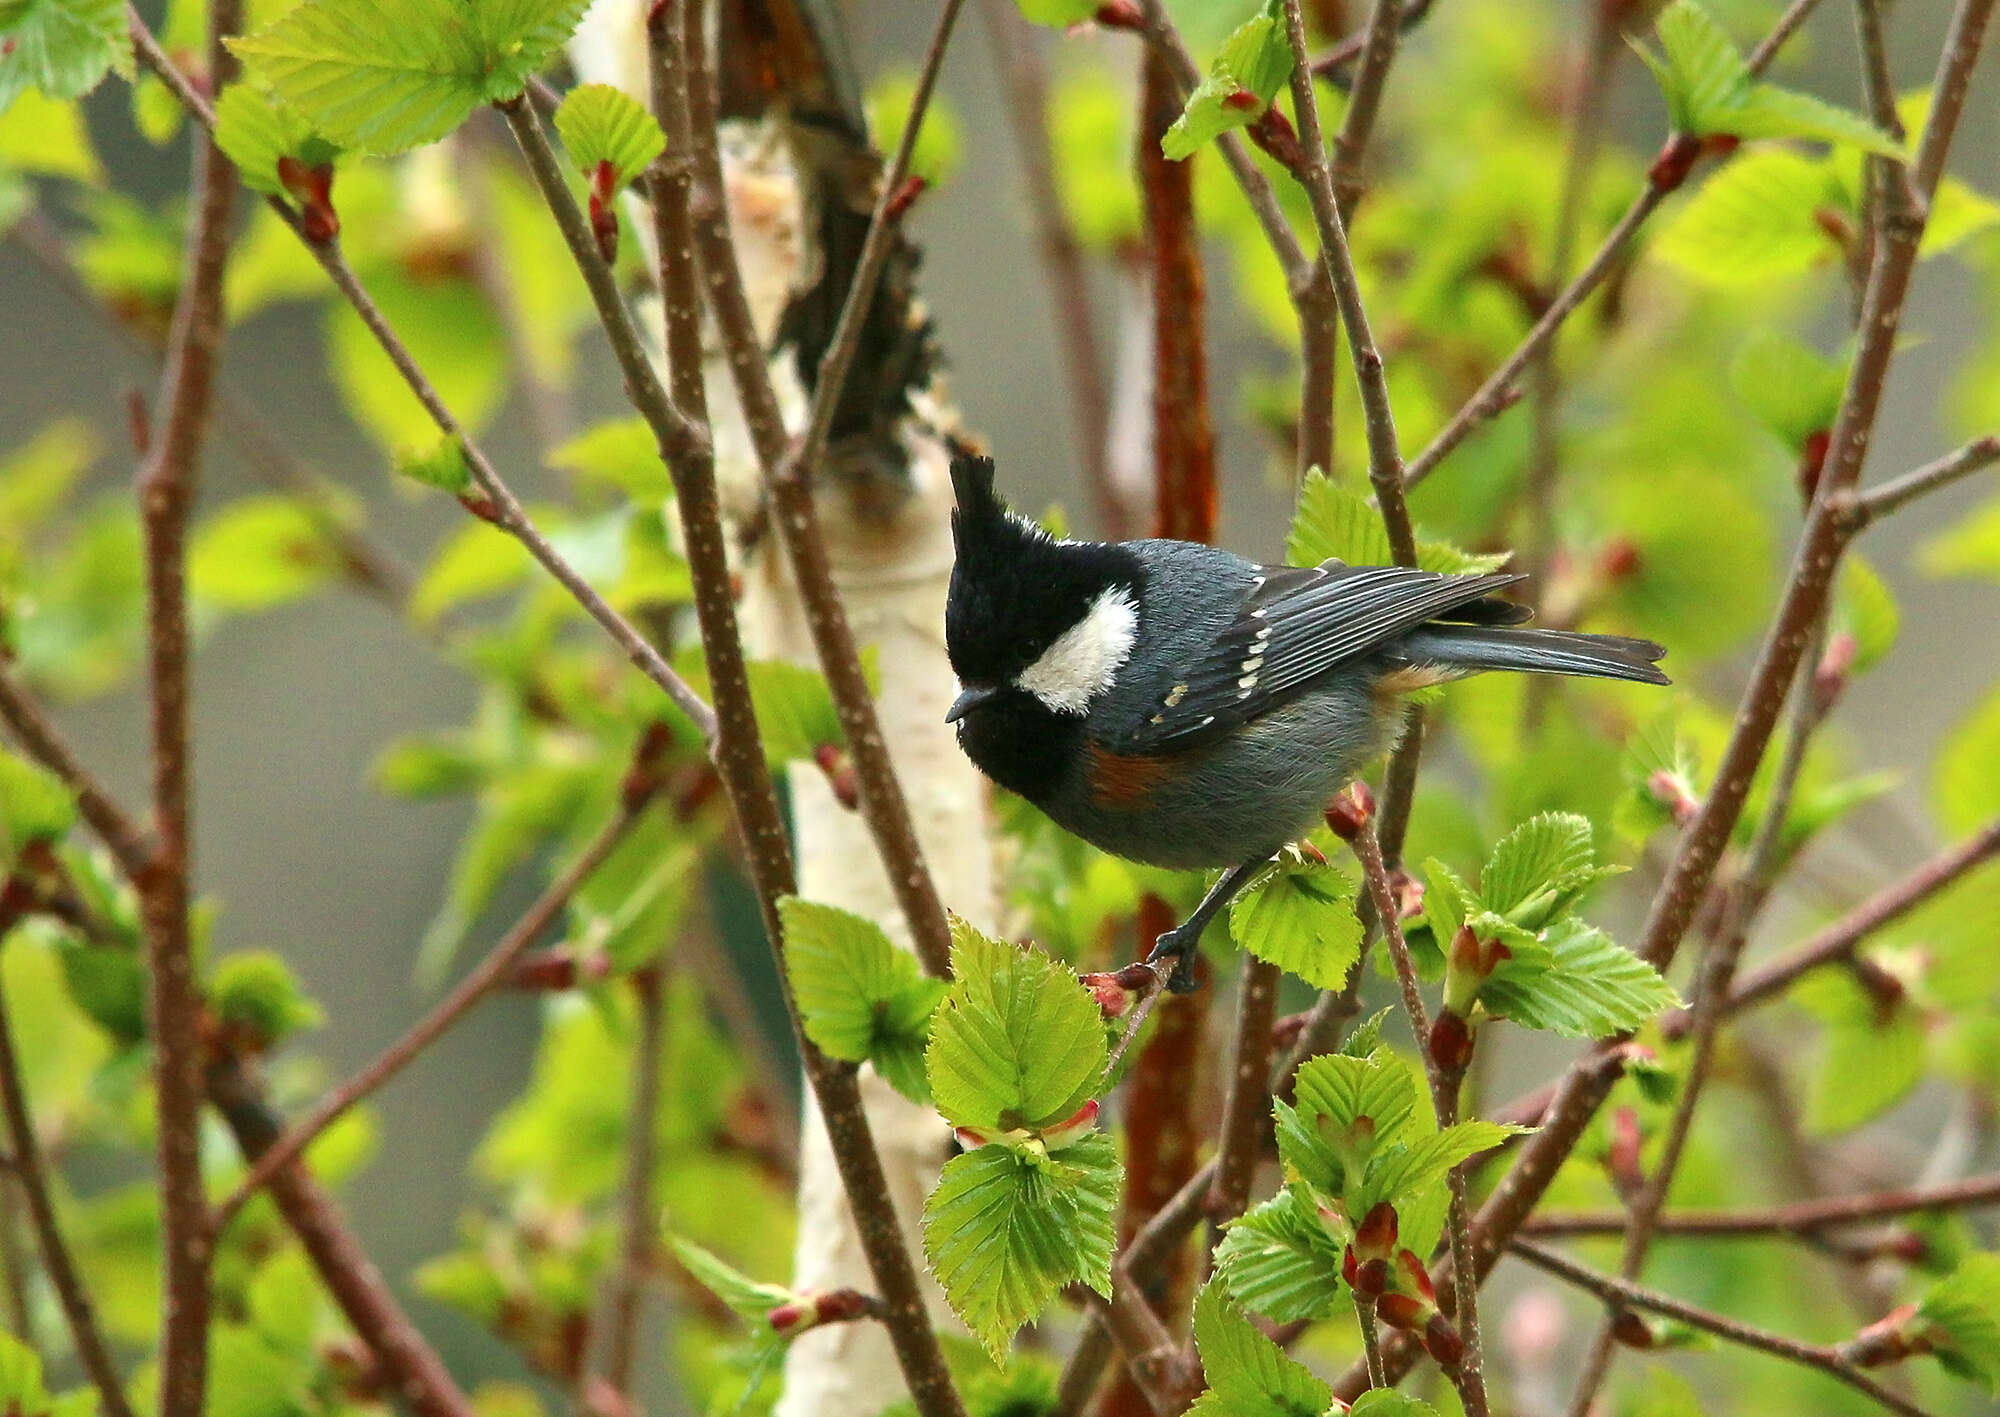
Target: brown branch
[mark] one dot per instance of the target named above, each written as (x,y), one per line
(123,836)
(638,1218)
(1623,1293)
(416,1374)
(166,490)
(1161,1368)
(491,972)
(1364,101)
(1839,940)
(789,475)
(1385,458)
(1330,64)
(1798,1218)
(1246,1104)
(679,85)
(505,510)
(30,1170)
(1024,86)
(1862,508)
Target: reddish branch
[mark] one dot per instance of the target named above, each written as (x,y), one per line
(638,1218)
(123,836)
(1799,1218)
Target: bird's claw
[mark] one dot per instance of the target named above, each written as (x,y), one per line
(1177,947)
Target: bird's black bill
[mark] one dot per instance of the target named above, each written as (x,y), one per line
(966,702)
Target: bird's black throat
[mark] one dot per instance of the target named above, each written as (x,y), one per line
(1022,744)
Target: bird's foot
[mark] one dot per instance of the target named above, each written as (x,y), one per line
(1181,946)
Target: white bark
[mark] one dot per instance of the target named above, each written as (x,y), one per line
(893,567)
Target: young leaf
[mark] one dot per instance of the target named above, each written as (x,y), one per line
(1542,857)
(1865,611)
(255,131)
(1400,1174)
(1059,13)
(1587,986)
(795,709)
(257,994)
(62,47)
(384,76)
(442,465)
(1793,390)
(1966,789)
(599,124)
(1300,917)
(1961,1318)
(1245,77)
(751,1298)
(859,997)
(1018,1043)
(1871,1057)
(621,452)
(1248,1374)
(1334,522)
(1755,221)
(34,806)
(935,156)
(1006,1229)
(1387,1402)
(1280,1261)
(258,553)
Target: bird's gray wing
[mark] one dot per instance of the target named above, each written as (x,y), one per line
(1295,624)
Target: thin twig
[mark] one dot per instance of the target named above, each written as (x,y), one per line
(1364,102)
(30,1172)
(1246,1104)
(1798,1218)
(477,984)
(166,490)
(1024,85)
(1839,940)
(1620,1292)
(1385,458)
(1163,1371)
(637,1217)
(125,838)
(1371,1342)
(1861,509)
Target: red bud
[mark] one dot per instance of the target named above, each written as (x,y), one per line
(1120,15)
(1442,1342)
(1812,461)
(1633,1331)
(906,196)
(312,188)
(1623,1160)
(1408,893)
(1675,160)
(1375,1236)
(1410,1272)
(1312,853)
(787,1317)
(1671,791)
(1348,813)
(839,769)
(1402,1311)
(1242,100)
(1830,677)
(1619,560)
(1451,1042)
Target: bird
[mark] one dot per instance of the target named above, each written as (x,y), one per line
(1180,706)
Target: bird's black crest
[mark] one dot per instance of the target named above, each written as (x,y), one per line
(972,489)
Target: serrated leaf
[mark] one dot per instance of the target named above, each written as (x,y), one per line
(1754,221)
(1387,1402)
(1539,857)
(1772,112)
(751,1298)
(859,997)
(255,131)
(1280,1261)
(1253,65)
(1791,389)
(34,806)
(1018,1043)
(600,124)
(258,553)
(1424,1161)
(1248,1374)
(62,47)
(1587,986)
(442,465)
(384,76)
(1006,1229)
(1961,1316)
(1300,916)
(1334,522)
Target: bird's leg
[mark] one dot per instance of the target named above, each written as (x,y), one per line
(1180,943)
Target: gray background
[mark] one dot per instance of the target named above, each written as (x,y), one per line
(292,707)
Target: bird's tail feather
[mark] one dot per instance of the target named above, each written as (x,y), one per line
(1476,647)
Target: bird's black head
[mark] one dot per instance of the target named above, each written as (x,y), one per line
(1056,618)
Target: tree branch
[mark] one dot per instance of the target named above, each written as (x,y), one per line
(491,972)
(1246,1105)
(1364,101)
(638,1218)
(1863,508)
(31,1171)
(123,836)
(1800,1218)
(1622,1293)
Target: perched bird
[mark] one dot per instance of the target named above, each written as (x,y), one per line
(1180,706)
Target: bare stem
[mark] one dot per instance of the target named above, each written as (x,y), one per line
(1364,101)
(122,835)
(1246,1102)
(1803,1218)
(637,1217)
(1861,509)
(1619,1292)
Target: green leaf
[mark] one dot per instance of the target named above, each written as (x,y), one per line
(1870,1057)
(1970,548)
(1401,1174)
(1586,986)
(1791,389)
(1387,1402)
(1965,787)
(258,553)
(751,1298)
(452,332)
(600,124)
(48,136)
(1710,91)
(1279,1260)
(859,997)
(476,560)
(1961,1316)
(34,807)
(385,76)
(1018,1043)
(1334,522)
(62,47)
(255,131)
(1755,221)
(256,993)
(622,453)
(1300,916)
(1059,13)
(1248,1374)
(442,465)
(794,709)
(1006,1229)
(1254,64)
(21,1387)
(1539,862)
(936,155)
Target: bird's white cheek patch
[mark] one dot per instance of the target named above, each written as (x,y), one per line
(1085,660)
